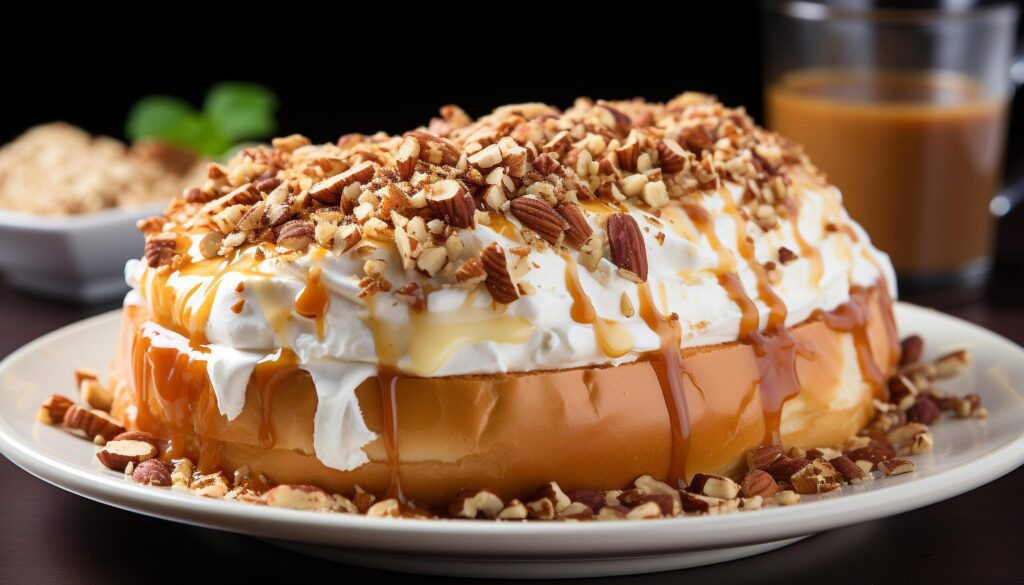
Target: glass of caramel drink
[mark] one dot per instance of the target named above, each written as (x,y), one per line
(904,106)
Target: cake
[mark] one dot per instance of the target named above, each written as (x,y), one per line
(587,296)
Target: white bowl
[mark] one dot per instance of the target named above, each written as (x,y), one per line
(79,258)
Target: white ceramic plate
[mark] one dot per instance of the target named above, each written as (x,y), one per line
(79,258)
(967,454)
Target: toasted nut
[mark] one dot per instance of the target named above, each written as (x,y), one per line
(579,230)
(921,443)
(896,466)
(296,234)
(902,392)
(764,456)
(117,455)
(715,486)
(753,503)
(389,508)
(758,482)
(784,468)
(160,248)
(92,422)
(673,157)
(875,453)
(138,436)
(650,486)
(613,512)
(911,349)
(450,200)
(924,411)
(817,478)
(627,245)
(297,497)
(593,500)
(848,469)
(152,472)
(434,149)
(499,280)
(547,501)
(952,364)
(699,504)
(695,139)
(96,395)
(474,504)
(786,498)
(645,511)
(905,433)
(540,217)
(329,190)
(181,474)
(211,485)
(486,157)
(576,511)
(406,156)
(515,510)
(363,500)
(53,410)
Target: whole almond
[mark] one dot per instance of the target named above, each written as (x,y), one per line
(499,281)
(579,230)
(627,245)
(450,200)
(758,483)
(329,190)
(540,217)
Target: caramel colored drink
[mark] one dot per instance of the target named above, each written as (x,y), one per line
(916,155)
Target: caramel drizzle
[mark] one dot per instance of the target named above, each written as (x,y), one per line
(387,386)
(775,349)
(502,226)
(668,365)
(612,337)
(171,371)
(267,376)
(808,252)
(314,301)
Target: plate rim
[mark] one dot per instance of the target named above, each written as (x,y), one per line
(490,538)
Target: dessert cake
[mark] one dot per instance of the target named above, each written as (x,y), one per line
(587,296)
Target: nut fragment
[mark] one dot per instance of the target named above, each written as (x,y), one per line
(627,245)
(848,469)
(450,200)
(296,497)
(515,510)
(758,482)
(764,456)
(715,486)
(406,157)
(896,466)
(952,364)
(296,234)
(138,436)
(92,422)
(53,410)
(152,472)
(117,455)
(329,190)
(474,504)
(911,350)
(817,478)
(96,394)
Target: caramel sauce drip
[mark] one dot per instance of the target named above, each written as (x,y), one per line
(808,252)
(171,372)
(502,226)
(314,301)
(267,377)
(602,206)
(388,377)
(613,338)
(775,349)
(668,365)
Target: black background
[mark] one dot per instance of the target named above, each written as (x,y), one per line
(391,65)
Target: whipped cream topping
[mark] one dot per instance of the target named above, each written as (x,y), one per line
(462,331)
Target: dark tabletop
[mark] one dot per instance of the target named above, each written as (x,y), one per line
(51,536)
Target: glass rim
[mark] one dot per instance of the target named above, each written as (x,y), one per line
(805,10)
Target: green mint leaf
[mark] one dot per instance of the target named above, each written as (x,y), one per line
(241,111)
(158,116)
